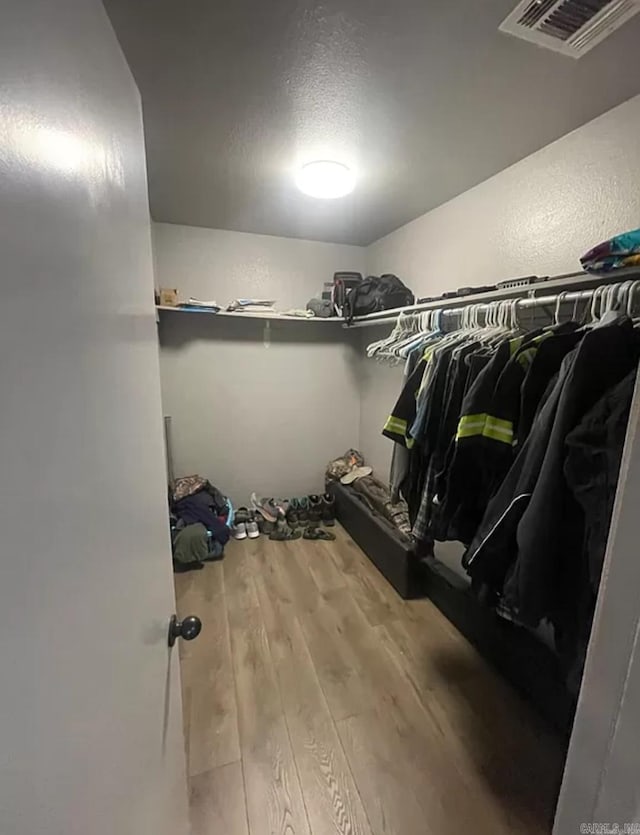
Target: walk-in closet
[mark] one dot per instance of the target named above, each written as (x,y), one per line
(437,644)
(320,330)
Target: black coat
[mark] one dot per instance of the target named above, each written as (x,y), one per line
(530,539)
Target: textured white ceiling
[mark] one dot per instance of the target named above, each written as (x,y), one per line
(425,98)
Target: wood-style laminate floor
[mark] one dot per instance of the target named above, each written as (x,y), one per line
(317,702)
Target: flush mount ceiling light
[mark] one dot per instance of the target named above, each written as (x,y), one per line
(326,179)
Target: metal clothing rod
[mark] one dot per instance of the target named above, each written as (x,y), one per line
(535,301)
(481,302)
(502,293)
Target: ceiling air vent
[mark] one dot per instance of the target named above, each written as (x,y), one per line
(571,27)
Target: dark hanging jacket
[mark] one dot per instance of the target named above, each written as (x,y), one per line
(463,504)
(592,467)
(532,524)
(494,548)
(550,531)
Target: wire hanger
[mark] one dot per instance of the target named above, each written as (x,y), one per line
(560,298)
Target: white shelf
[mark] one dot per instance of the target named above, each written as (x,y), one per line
(568,281)
(270,317)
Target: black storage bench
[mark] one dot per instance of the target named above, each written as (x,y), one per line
(376,536)
(522,657)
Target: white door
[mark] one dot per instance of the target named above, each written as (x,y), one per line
(90,730)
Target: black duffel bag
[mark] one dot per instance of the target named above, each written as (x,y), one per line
(374,294)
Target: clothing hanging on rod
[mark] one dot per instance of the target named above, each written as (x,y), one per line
(510,439)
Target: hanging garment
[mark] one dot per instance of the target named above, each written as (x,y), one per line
(538,585)
(544,367)
(493,548)
(430,427)
(592,465)
(449,365)
(400,456)
(467,486)
(532,525)
(499,443)
(404,412)
(514,444)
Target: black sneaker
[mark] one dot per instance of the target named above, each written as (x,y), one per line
(315,509)
(264,525)
(303,511)
(293,516)
(328,510)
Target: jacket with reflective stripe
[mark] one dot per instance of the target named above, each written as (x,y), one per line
(463,505)
(399,422)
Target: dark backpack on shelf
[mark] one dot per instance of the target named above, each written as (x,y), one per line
(343,283)
(374,294)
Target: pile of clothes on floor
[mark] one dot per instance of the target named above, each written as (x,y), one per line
(286,519)
(199,515)
(351,469)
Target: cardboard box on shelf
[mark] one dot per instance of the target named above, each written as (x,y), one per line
(168,297)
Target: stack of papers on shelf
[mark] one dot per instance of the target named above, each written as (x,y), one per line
(252,306)
(199,304)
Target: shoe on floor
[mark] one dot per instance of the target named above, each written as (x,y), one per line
(267,508)
(355,473)
(328,510)
(293,516)
(241,515)
(253,531)
(283,533)
(264,525)
(239,530)
(303,511)
(315,508)
(314,532)
(283,505)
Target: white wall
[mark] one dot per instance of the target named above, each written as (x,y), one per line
(536,217)
(226,265)
(245,416)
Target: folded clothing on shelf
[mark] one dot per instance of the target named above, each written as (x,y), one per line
(616,253)
(320,307)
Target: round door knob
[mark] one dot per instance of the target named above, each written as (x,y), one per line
(189,628)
